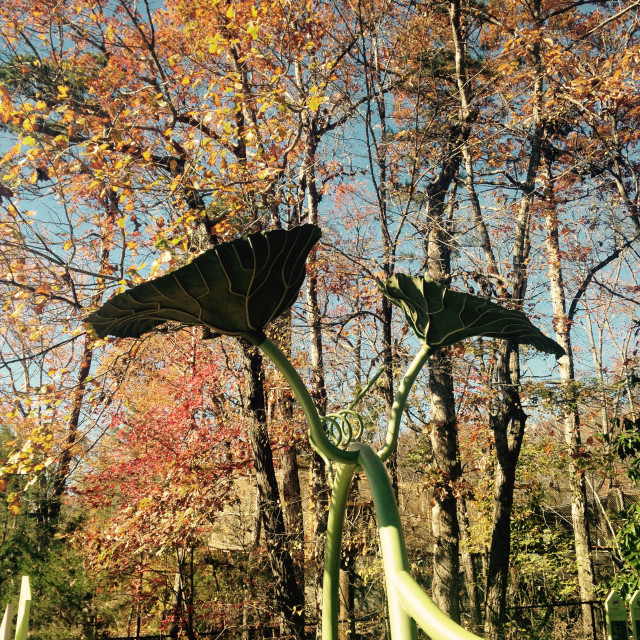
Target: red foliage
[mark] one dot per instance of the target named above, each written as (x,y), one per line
(173,454)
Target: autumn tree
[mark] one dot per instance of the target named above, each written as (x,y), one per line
(175,444)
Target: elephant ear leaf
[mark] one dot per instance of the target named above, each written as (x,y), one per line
(235,288)
(441,317)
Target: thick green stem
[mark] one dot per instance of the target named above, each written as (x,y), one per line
(392,546)
(333,549)
(317,436)
(425,612)
(400,401)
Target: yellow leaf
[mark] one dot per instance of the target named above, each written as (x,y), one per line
(13,503)
(314,104)
(27,125)
(29,140)
(146,155)
(252,30)
(231,13)
(120,222)
(186,80)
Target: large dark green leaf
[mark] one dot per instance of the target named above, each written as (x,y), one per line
(442,317)
(236,288)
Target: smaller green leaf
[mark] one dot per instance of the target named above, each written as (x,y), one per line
(236,288)
(441,317)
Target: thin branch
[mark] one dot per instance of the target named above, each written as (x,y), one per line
(604,23)
(33,356)
(592,272)
(26,287)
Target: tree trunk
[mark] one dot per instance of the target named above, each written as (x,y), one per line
(177,596)
(291,495)
(445,587)
(347,627)
(288,594)
(507,424)
(444,429)
(570,414)
(320,514)
(292,501)
(387,388)
(500,549)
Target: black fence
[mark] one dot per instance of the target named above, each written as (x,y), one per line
(261,632)
(549,621)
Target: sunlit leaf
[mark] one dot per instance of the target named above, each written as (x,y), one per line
(236,288)
(442,317)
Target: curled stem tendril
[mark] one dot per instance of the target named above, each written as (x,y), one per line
(343,427)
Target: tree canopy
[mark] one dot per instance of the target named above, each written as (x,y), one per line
(489,148)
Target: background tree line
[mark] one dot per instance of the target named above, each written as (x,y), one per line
(492,146)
